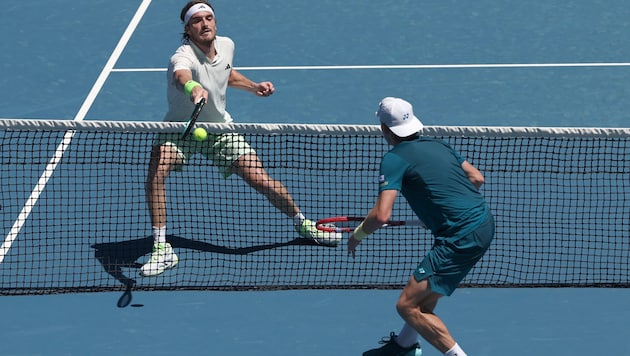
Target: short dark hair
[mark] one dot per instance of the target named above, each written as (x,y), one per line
(411,137)
(185,9)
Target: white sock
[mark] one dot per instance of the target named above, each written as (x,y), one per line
(159,234)
(297,220)
(407,336)
(455,351)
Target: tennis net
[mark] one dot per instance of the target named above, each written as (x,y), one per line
(74,215)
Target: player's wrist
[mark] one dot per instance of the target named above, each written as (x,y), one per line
(359,233)
(190,85)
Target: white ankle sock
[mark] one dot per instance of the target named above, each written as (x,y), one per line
(407,336)
(297,220)
(455,351)
(159,234)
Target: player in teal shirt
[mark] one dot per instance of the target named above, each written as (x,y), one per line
(435,186)
(442,188)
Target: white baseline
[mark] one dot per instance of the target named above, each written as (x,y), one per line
(409,66)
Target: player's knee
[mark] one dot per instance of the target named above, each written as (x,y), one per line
(404,307)
(157,176)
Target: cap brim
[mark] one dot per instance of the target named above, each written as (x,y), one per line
(408,129)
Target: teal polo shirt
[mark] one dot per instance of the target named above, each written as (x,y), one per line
(429,174)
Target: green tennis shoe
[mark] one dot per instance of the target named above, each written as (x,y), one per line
(162,258)
(308,230)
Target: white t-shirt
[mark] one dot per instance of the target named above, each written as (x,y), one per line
(213,76)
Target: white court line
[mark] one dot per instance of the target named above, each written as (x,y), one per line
(65,143)
(409,66)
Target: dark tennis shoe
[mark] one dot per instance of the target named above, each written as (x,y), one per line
(391,348)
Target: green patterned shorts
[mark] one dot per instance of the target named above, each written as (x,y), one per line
(222,149)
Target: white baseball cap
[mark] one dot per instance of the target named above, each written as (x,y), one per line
(397,114)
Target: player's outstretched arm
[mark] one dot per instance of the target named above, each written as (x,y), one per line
(239,81)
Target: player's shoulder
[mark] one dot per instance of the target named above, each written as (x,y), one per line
(433,141)
(394,157)
(185,50)
(224,41)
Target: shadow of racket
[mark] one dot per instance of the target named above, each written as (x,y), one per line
(126,297)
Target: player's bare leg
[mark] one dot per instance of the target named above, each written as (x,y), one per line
(415,305)
(252,171)
(164,159)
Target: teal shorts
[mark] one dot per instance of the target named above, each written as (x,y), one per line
(450,259)
(222,149)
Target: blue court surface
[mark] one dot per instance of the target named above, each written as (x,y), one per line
(481,63)
(485,321)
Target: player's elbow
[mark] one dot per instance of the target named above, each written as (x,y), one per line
(473,174)
(382,217)
(477,180)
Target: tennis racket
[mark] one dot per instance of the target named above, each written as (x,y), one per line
(349,223)
(193,117)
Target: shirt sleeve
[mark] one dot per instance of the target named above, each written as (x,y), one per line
(457,155)
(180,60)
(392,171)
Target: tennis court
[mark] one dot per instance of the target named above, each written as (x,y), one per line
(545,63)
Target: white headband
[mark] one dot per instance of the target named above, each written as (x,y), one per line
(195,9)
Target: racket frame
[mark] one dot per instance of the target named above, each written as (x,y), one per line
(328,224)
(193,117)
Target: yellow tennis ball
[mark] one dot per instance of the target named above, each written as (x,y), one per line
(200,134)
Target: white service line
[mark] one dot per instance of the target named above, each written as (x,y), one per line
(65,143)
(411,66)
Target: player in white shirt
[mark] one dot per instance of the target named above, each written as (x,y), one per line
(203,68)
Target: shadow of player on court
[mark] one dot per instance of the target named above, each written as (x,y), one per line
(116,256)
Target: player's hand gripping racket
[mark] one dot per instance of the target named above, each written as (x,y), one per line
(193,117)
(349,223)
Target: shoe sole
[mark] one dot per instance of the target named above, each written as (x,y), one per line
(173,264)
(329,243)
